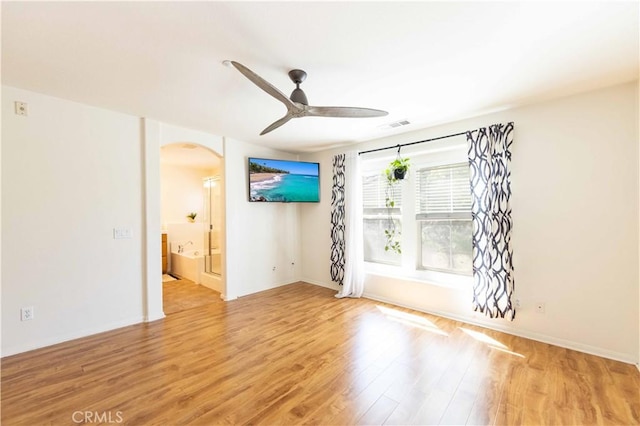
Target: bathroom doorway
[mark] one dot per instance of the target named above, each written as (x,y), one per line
(191,217)
(213,225)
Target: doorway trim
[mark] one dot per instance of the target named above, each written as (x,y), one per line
(154,135)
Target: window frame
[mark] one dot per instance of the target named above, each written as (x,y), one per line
(433,154)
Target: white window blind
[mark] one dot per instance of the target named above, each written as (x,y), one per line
(443,192)
(443,212)
(377,220)
(374,194)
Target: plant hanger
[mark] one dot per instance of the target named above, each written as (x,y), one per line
(398,168)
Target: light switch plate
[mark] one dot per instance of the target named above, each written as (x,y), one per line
(121,233)
(26,313)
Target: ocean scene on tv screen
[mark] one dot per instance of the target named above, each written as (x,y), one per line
(283,181)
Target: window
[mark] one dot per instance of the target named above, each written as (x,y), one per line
(433,208)
(376,218)
(443,215)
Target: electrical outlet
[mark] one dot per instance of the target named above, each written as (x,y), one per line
(21,108)
(540,307)
(518,303)
(26,313)
(274,269)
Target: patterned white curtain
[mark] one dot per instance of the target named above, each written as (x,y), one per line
(489,162)
(337,220)
(346,212)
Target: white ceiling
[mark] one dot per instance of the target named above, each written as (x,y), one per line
(427,62)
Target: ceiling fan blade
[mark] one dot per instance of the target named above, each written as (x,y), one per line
(349,112)
(297,105)
(263,84)
(276,124)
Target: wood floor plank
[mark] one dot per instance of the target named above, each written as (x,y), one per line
(297,355)
(184,294)
(379,412)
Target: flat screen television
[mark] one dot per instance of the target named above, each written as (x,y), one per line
(283,181)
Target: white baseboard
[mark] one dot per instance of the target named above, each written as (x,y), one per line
(568,344)
(153,317)
(332,286)
(269,287)
(577,346)
(70,336)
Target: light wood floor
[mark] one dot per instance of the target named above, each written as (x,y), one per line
(297,355)
(183,294)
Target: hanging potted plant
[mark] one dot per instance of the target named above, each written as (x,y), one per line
(192,217)
(396,171)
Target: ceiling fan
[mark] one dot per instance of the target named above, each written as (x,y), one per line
(297,104)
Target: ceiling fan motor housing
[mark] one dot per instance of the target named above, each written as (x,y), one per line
(298,76)
(298,96)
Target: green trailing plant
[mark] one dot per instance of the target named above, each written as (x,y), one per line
(395,172)
(192,215)
(391,233)
(397,169)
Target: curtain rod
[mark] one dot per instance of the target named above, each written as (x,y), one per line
(412,143)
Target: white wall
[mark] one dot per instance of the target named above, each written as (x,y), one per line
(182,192)
(71,173)
(261,236)
(575,212)
(315,225)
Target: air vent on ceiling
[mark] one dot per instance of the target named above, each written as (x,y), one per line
(395,124)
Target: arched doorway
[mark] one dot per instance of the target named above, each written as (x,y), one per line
(191,216)
(155,135)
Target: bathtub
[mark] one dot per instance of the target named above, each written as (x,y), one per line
(189,264)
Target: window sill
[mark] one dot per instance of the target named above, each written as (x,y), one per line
(439,279)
